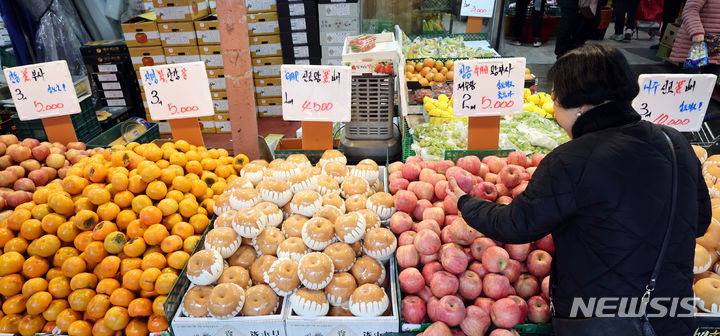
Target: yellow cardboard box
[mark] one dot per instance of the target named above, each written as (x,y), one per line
(258,6)
(268,87)
(146,56)
(211,55)
(181,54)
(207,30)
(207,124)
(180,10)
(222,123)
(266,67)
(263,24)
(141,31)
(176,34)
(216,77)
(265,46)
(274,101)
(219,99)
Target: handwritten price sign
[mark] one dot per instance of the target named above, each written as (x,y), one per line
(177,91)
(42,90)
(676,100)
(479,8)
(316,92)
(488,87)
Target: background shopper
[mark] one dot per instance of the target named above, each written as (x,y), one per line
(538,9)
(700,18)
(625,12)
(574,29)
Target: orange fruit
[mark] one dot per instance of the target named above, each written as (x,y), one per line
(34,285)
(148,277)
(116,318)
(164,283)
(14,304)
(40,196)
(108,211)
(5,235)
(136,229)
(121,297)
(153,260)
(114,242)
(17,244)
(34,267)
(54,309)
(140,307)
(51,222)
(31,229)
(123,198)
(171,244)
(38,303)
(183,230)
(109,266)
(59,287)
(29,325)
(85,220)
(11,262)
(73,266)
(102,229)
(80,328)
(67,231)
(80,298)
(107,286)
(155,233)
(177,259)
(11,284)
(18,217)
(98,306)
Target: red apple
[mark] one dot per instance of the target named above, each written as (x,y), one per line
(521,304)
(395,166)
(76,145)
(513,270)
(449,219)
(40,152)
(470,163)
(437,329)
(527,286)
(491,177)
(495,259)
(443,166)
(478,268)
(517,158)
(429,270)
(439,204)
(451,310)
(427,242)
(435,213)
(407,256)
(425,294)
(398,184)
(445,235)
(407,238)
(405,201)
(545,286)
(463,234)
(400,222)
(8,139)
(495,286)
(470,285)
(519,189)
(518,252)
(538,310)
(432,307)
(465,180)
(453,259)
(437,178)
(546,243)
(394,176)
(443,283)
(511,175)
(410,171)
(530,171)
(503,190)
(441,189)
(495,164)
(538,263)
(485,190)
(422,190)
(504,200)
(411,280)
(484,303)
(428,258)
(479,245)
(413,309)
(506,313)
(414,159)
(536,158)
(426,174)
(476,322)
(430,224)
(419,208)
(504,332)
(450,206)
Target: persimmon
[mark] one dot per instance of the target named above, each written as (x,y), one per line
(73,266)
(137,327)
(63,254)
(17,244)
(131,279)
(83,239)
(98,305)
(38,303)
(119,181)
(59,287)
(178,158)
(158,305)
(53,273)
(140,202)
(35,267)
(130,264)
(11,262)
(14,304)
(17,218)
(29,325)
(114,242)
(108,211)
(224,171)
(136,185)
(83,280)
(27,206)
(107,286)
(52,222)
(123,198)
(80,328)
(67,317)
(11,284)
(168,206)
(102,229)
(199,222)
(155,233)
(85,220)
(100,329)
(153,260)
(182,184)
(54,309)
(188,207)
(109,266)
(67,231)
(165,282)
(80,298)
(74,184)
(148,277)
(40,211)
(170,221)
(116,318)
(40,196)
(9,323)
(140,307)
(124,218)
(218,187)
(199,188)
(83,203)
(5,235)
(171,243)
(44,246)
(95,252)
(136,229)
(95,173)
(150,172)
(34,285)
(121,297)
(31,229)
(190,243)
(177,259)
(99,196)
(120,159)
(177,195)
(194,167)
(183,230)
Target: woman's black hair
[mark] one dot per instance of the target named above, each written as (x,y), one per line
(591,75)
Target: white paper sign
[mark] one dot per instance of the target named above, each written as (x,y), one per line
(316,92)
(488,87)
(479,8)
(42,90)
(177,91)
(676,100)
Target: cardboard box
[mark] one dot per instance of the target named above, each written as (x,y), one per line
(301,52)
(270,111)
(335,37)
(211,55)
(670,32)
(207,124)
(338,10)
(275,101)
(265,39)
(181,54)
(263,24)
(148,6)
(213,6)
(220,103)
(207,31)
(147,56)
(180,10)
(265,46)
(176,34)
(292,24)
(308,61)
(333,24)
(332,51)
(305,8)
(106,48)
(268,87)
(291,39)
(216,77)
(267,67)
(385,49)
(258,6)
(141,31)
(222,123)
(331,61)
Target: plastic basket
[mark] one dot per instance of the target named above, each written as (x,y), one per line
(454,155)
(114,133)
(465,36)
(407,142)
(85,124)
(372,108)
(312,155)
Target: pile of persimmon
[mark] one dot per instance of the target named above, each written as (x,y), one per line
(98,252)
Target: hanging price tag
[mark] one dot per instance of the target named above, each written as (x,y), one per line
(42,90)
(478,8)
(488,87)
(177,91)
(316,92)
(676,100)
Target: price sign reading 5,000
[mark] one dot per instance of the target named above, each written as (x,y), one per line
(42,90)
(177,91)
(316,92)
(488,87)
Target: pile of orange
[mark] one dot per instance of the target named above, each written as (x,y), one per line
(98,252)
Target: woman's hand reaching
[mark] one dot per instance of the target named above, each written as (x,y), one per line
(698,38)
(454,191)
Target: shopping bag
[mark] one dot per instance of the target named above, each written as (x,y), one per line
(712,41)
(697,57)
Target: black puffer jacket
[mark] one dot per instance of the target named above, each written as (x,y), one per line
(605,198)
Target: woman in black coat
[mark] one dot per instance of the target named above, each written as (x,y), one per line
(605,196)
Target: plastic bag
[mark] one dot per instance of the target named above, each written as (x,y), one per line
(697,57)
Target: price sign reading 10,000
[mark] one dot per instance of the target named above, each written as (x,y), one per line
(177,91)
(488,87)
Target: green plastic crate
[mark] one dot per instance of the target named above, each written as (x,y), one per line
(466,36)
(454,155)
(407,142)
(312,155)
(85,124)
(114,133)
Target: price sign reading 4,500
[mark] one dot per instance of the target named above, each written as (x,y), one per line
(488,87)
(177,91)
(316,92)
(42,90)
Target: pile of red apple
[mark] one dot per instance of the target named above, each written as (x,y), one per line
(453,276)
(28,164)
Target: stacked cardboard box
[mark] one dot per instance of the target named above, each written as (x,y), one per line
(299,32)
(266,51)
(337,20)
(208,38)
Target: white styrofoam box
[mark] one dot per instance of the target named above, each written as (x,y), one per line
(338,9)
(339,24)
(271,325)
(332,51)
(267,111)
(346,325)
(385,49)
(331,61)
(336,37)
